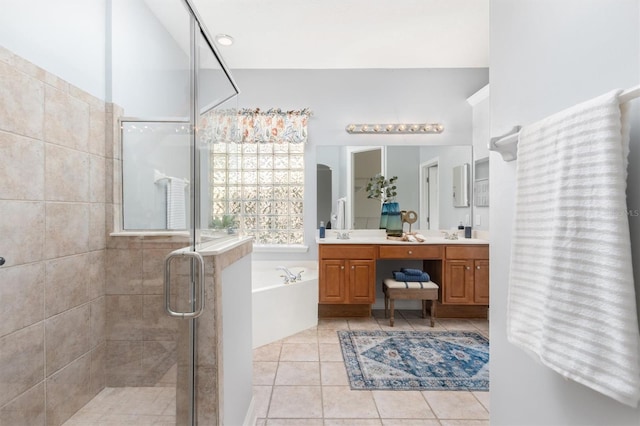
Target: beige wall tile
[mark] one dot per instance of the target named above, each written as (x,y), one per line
(21,361)
(29,68)
(98,369)
(157,324)
(66,119)
(21,168)
(108,180)
(124,271)
(153,270)
(67,174)
(67,337)
(97,179)
(117,181)
(66,283)
(98,321)
(68,390)
(22,228)
(124,317)
(21,103)
(97,123)
(157,359)
(57,82)
(96,271)
(97,231)
(67,229)
(86,97)
(25,410)
(124,363)
(22,296)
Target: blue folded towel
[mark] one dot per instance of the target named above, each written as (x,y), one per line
(409,271)
(401,276)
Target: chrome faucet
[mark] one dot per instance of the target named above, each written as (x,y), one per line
(343,235)
(289,276)
(452,236)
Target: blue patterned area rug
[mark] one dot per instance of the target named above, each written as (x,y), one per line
(416,360)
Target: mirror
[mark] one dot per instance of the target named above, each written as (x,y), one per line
(425,182)
(461,185)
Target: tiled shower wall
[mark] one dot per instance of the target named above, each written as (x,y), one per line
(79,309)
(53,201)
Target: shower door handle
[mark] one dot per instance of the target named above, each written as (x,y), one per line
(198,283)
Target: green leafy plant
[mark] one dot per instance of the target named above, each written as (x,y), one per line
(227,221)
(381,188)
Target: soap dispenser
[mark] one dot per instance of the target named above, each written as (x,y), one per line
(321,232)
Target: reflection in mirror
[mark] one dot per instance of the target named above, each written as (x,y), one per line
(461,185)
(425,179)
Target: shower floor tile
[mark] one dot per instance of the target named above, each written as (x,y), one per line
(144,406)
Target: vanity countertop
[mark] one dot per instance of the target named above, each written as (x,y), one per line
(379,237)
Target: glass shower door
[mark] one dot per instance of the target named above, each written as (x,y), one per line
(170,80)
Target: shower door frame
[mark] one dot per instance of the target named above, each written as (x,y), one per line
(196,301)
(197,29)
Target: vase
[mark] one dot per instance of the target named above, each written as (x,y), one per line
(394,220)
(391,218)
(384,215)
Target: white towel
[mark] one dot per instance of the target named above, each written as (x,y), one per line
(571,291)
(176,206)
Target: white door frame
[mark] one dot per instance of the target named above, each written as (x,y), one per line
(351,151)
(424,195)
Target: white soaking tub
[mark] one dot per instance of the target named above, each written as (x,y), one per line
(280,310)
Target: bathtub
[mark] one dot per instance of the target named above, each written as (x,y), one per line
(280,310)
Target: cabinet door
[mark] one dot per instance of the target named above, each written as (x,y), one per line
(481,282)
(458,282)
(332,282)
(362,281)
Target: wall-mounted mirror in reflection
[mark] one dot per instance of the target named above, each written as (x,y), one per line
(424,185)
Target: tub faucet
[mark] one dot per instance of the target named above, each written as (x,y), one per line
(289,276)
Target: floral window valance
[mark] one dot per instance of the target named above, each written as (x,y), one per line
(255,126)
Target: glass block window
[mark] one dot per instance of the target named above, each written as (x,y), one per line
(262,185)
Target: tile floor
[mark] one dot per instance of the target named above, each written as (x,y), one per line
(301,381)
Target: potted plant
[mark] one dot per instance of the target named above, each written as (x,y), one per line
(381,188)
(384,190)
(225,222)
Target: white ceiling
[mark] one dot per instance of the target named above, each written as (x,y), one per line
(321,34)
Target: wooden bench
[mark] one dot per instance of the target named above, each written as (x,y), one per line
(410,290)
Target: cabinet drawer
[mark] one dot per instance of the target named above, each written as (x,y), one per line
(410,252)
(467,252)
(346,251)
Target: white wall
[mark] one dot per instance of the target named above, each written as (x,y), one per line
(481,135)
(547,55)
(150,70)
(339,97)
(64,37)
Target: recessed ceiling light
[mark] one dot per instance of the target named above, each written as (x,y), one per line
(224,40)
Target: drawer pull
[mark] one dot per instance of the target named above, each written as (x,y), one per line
(342,267)
(353,267)
(410,252)
(468,268)
(477,267)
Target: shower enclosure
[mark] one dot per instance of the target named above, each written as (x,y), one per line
(166,74)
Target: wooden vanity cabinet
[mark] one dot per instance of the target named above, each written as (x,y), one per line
(466,275)
(347,274)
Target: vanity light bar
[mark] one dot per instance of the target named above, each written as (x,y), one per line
(400,128)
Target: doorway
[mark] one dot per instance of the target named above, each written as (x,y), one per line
(429,195)
(364,163)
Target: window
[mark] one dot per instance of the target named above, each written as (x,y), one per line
(260,183)
(262,186)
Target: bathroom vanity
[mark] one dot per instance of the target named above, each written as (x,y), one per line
(347,272)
